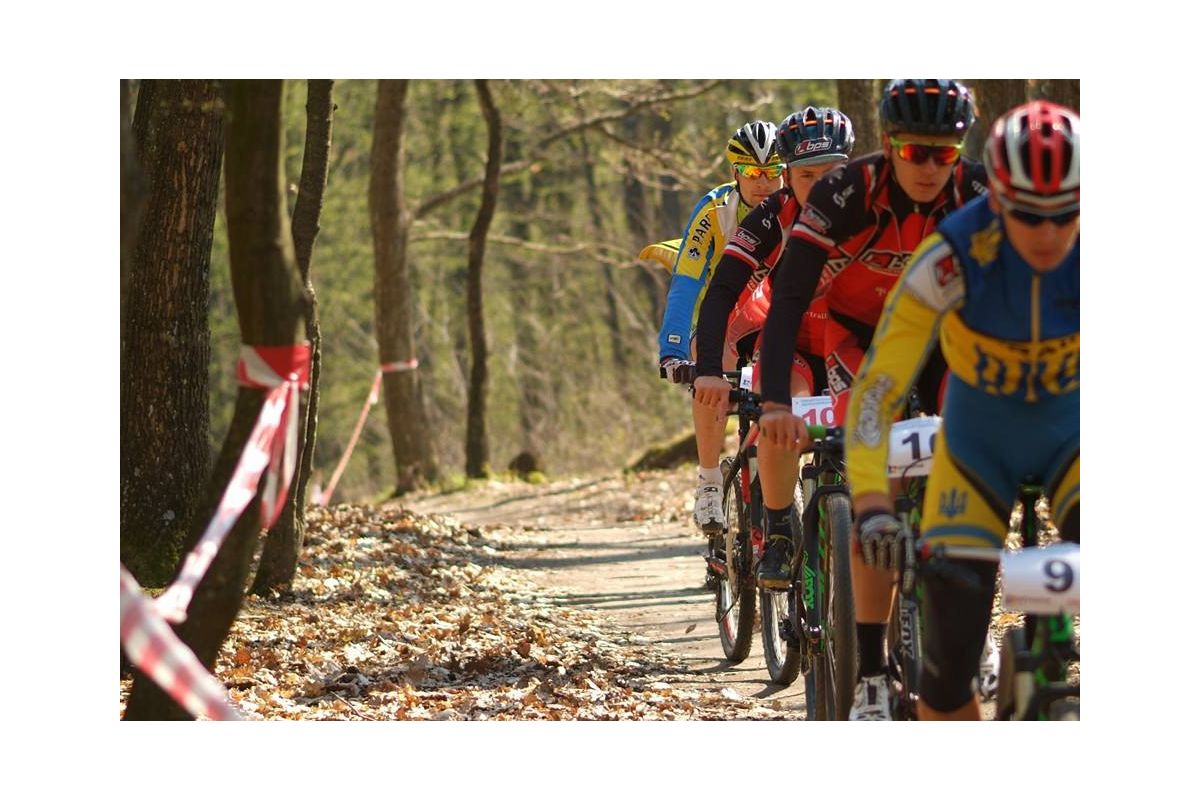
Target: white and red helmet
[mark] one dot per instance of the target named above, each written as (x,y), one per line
(1032,158)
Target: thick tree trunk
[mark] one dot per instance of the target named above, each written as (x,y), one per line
(281,552)
(477,443)
(270,304)
(859,100)
(133,192)
(390,222)
(1063,91)
(992,99)
(165,343)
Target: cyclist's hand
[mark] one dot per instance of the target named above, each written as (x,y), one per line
(711,391)
(779,426)
(677,370)
(878,534)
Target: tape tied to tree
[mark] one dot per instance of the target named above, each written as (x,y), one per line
(154,648)
(322,498)
(271,448)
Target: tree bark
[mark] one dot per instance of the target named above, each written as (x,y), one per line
(270,303)
(165,340)
(477,443)
(859,100)
(281,552)
(1062,91)
(390,223)
(993,98)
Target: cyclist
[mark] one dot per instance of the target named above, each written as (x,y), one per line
(812,142)
(859,227)
(757,173)
(999,282)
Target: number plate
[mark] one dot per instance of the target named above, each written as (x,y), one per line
(910,453)
(1043,580)
(816,410)
(747,381)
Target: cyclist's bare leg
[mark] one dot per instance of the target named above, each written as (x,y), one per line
(778,467)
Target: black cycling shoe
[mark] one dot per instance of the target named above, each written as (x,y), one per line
(775,569)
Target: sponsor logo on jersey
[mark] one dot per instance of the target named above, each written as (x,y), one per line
(693,252)
(838,376)
(866,429)
(946,270)
(746,239)
(814,220)
(884,260)
(814,145)
(701,230)
(840,197)
(674,338)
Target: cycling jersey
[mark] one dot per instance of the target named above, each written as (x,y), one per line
(738,296)
(713,219)
(853,236)
(1011,339)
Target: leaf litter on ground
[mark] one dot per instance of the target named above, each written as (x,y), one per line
(398,616)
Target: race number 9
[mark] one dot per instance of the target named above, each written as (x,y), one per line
(1060,575)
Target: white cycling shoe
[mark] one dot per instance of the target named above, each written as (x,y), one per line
(872,700)
(709,515)
(989,669)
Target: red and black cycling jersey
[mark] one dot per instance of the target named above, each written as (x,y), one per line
(749,255)
(854,237)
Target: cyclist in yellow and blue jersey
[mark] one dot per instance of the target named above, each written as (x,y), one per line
(757,174)
(999,284)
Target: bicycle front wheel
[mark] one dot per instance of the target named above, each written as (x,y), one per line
(735,588)
(841,633)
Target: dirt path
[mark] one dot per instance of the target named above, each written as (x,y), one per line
(623,546)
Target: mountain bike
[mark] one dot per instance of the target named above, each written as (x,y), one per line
(734,553)
(1040,580)
(809,627)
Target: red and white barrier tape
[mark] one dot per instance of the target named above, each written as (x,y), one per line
(322,498)
(271,448)
(154,648)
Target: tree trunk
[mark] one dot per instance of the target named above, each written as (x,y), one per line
(133,191)
(531,384)
(992,99)
(270,304)
(859,100)
(616,336)
(477,444)
(390,222)
(165,345)
(638,218)
(281,552)
(1062,91)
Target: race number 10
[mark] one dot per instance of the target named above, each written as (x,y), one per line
(814,410)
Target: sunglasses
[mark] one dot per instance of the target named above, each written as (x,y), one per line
(942,154)
(754,171)
(1033,220)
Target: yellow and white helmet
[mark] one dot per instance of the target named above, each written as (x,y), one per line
(753,144)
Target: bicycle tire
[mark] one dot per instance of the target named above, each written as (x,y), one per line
(1013,643)
(783,657)
(735,596)
(825,694)
(842,633)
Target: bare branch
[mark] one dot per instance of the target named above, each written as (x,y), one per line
(591,122)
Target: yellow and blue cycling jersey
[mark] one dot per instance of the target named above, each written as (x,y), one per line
(713,219)
(1010,336)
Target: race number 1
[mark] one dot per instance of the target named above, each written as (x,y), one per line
(910,450)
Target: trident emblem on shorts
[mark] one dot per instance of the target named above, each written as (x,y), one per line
(952,503)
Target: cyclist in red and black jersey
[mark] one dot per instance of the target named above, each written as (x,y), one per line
(811,142)
(854,236)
